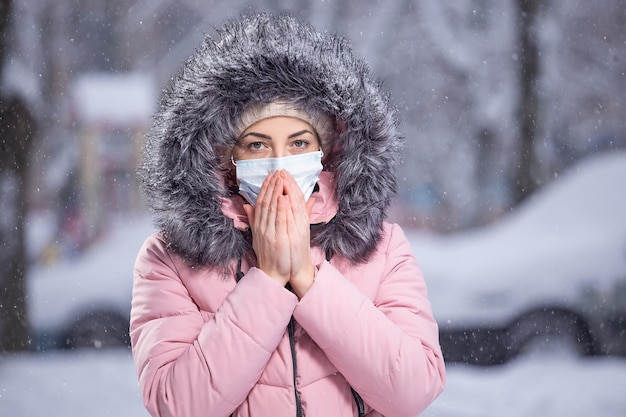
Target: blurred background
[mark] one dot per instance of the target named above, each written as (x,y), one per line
(512,188)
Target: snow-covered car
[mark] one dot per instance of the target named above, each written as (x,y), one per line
(550,273)
(85,302)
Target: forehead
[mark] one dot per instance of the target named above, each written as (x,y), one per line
(279,126)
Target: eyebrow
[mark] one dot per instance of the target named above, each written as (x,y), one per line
(262,136)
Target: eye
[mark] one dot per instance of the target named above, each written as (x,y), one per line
(300,143)
(256,145)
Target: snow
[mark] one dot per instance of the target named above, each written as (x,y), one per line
(120,99)
(102,277)
(546,386)
(103,384)
(61,383)
(571,236)
(573,229)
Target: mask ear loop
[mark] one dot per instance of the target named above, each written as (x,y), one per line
(232,160)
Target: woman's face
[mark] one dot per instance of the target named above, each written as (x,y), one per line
(276,137)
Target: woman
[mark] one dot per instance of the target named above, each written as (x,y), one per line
(274,287)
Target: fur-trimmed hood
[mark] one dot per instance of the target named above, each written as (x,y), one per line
(263,58)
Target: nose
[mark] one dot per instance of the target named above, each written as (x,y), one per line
(279,153)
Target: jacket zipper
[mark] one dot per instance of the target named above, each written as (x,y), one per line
(359,402)
(292,345)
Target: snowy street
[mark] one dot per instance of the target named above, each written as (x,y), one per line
(99,384)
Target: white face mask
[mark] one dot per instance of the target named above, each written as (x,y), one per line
(304,168)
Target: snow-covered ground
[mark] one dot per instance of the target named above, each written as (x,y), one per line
(103,384)
(577,234)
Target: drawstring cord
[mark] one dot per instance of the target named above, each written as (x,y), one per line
(239,273)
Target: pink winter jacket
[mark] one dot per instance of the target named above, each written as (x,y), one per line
(206,345)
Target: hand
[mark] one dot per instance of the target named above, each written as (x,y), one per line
(299,230)
(268,221)
(281,232)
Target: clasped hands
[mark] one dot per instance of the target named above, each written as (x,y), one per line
(281,236)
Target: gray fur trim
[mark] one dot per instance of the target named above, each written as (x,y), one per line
(259,59)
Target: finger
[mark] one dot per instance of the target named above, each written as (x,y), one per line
(270,222)
(291,186)
(264,234)
(263,190)
(282,249)
(283,218)
(300,208)
(292,189)
(264,201)
(250,213)
(277,189)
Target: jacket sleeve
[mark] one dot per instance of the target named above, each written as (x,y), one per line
(387,349)
(189,366)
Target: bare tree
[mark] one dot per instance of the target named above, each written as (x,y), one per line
(524,172)
(16,133)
